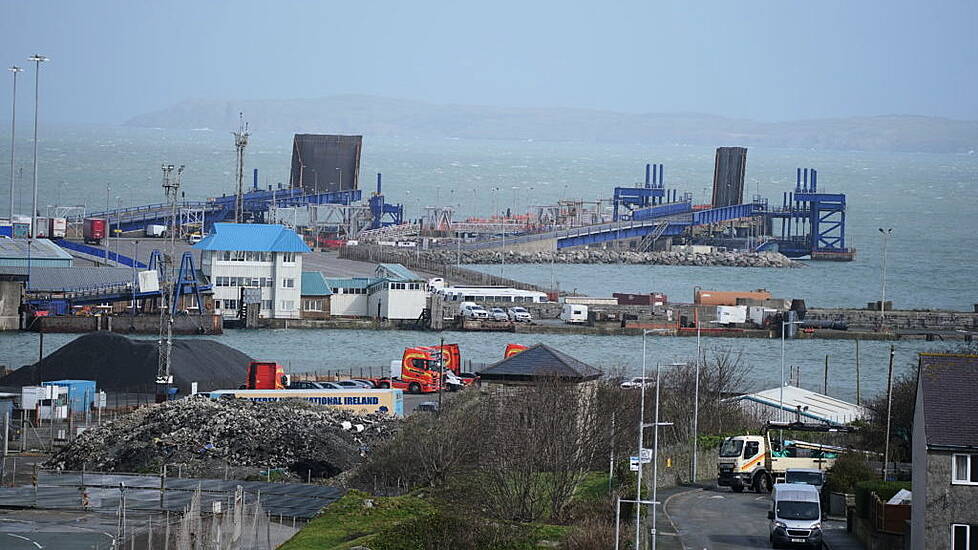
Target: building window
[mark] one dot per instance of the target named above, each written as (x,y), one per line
(288,305)
(964,471)
(312,305)
(230,304)
(288,257)
(336,290)
(217,304)
(964,537)
(266,304)
(288,283)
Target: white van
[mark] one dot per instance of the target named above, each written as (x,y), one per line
(574,313)
(796,515)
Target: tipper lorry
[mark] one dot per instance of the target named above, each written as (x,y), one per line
(755,462)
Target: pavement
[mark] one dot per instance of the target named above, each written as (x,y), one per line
(718,519)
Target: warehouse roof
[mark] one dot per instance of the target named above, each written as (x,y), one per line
(252,237)
(539,360)
(948,383)
(396,272)
(352,282)
(314,284)
(40,249)
(53,279)
(813,405)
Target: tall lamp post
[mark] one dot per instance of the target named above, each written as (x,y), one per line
(13,133)
(886,237)
(37,59)
(784,328)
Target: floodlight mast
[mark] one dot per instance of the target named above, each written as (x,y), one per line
(240,142)
(171,187)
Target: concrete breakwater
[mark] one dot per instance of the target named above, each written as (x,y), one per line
(609,256)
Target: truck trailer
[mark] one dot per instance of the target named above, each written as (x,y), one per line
(364,401)
(93,230)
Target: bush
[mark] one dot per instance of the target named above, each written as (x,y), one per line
(591,534)
(883,489)
(848,470)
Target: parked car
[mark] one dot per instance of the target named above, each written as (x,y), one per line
(471,310)
(194,238)
(519,314)
(355,384)
(498,314)
(309,385)
(637,383)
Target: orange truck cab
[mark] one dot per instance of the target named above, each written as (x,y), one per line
(420,370)
(266,375)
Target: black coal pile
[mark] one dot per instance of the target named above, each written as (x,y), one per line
(117,363)
(207,437)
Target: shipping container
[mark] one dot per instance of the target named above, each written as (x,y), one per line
(726,298)
(94,230)
(591,300)
(731,315)
(42,227)
(80,394)
(653,299)
(57,228)
(759,314)
(387,401)
(6,229)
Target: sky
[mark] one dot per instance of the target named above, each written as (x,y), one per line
(764,60)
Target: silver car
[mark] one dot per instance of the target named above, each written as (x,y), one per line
(498,314)
(519,314)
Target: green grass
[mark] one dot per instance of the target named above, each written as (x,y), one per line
(347,523)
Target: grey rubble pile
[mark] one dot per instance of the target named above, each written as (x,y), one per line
(609,256)
(117,363)
(209,435)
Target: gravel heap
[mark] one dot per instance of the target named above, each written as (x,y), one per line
(209,435)
(117,363)
(604,256)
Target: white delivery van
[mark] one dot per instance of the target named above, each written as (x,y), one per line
(796,515)
(574,313)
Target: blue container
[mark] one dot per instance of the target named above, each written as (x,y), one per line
(81,393)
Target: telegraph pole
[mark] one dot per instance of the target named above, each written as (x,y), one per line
(171,187)
(240,142)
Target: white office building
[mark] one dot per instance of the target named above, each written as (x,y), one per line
(264,257)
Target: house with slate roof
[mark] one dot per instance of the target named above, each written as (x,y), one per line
(395,293)
(944,512)
(265,257)
(537,361)
(316,295)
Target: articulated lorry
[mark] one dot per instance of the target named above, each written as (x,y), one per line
(757,462)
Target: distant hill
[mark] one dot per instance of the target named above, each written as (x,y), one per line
(369,115)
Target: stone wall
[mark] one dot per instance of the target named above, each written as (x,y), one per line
(901,319)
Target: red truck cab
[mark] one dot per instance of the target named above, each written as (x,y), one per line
(266,375)
(422,369)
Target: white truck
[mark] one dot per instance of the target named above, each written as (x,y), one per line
(155,230)
(755,462)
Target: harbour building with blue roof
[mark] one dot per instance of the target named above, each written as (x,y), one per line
(259,263)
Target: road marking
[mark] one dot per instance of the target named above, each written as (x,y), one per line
(38,545)
(717,496)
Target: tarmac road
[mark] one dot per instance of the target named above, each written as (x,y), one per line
(719,519)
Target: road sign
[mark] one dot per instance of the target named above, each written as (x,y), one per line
(646,456)
(633,463)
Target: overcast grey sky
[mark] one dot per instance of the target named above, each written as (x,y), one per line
(768,60)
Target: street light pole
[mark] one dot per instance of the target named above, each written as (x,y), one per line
(641,445)
(13,133)
(784,327)
(37,59)
(886,236)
